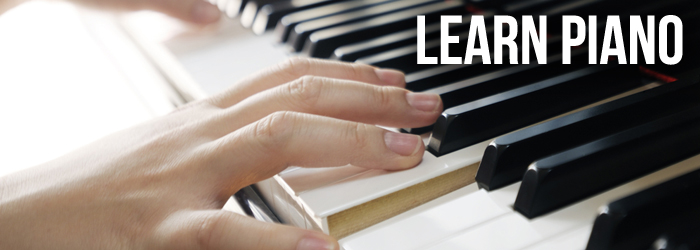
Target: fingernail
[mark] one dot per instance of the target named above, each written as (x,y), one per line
(423,101)
(403,144)
(204,12)
(390,76)
(313,243)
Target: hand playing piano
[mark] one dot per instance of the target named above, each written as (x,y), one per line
(194,11)
(161,185)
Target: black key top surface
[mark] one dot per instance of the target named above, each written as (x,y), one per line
(512,77)
(270,14)
(405,58)
(575,174)
(685,238)
(446,74)
(492,83)
(480,120)
(668,210)
(297,38)
(323,42)
(507,158)
(405,38)
(288,22)
(352,52)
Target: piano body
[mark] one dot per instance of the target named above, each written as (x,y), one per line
(525,156)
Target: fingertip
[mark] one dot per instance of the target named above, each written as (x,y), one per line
(317,242)
(402,144)
(205,13)
(427,108)
(413,160)
(391,77)
(425,102)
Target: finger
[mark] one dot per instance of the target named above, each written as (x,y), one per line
(195,11)
(342,99)
(223,230)
(297,67)
(266,147)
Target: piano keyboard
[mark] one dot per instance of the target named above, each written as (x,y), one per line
(570,156)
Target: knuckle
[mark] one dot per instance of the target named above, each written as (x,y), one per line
(276,128)
(382,96)
(306,90)
(209,231)
(357,133)
(296,66)
(358,69)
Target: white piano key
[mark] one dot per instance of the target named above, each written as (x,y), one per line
(573,240)
(505,196)
(220,3)
(584,212)
(498,234)
(289,169)
(430,225)
(267,192)
(370,185)
(301,180)
(231,9)
(295,214)
(511,231)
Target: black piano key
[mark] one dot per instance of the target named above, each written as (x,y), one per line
(569,176)
(323,42)
(492,83)
(251,9)
(547,7)
(447,74)
(684,238)
(480,120)
(507,158)
(405,58)
(483,86)
(601,8)
(270,14)
(691,54)
(298,36)
(352,52)
(288,22)
(638,220)
(418,131)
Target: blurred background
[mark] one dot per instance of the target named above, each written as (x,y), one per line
(63,86)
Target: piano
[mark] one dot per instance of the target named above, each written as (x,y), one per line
(547,156)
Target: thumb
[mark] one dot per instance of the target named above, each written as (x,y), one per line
(195,11)
(218,229)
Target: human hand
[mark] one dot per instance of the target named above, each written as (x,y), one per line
(161,185)
(194,11)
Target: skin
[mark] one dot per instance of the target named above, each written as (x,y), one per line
(161,184)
